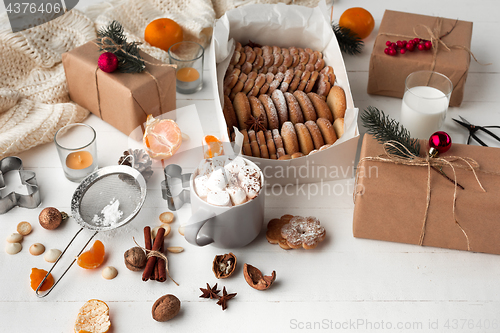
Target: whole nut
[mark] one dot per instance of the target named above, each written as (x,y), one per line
(166,308)
(50,218)
(135,259)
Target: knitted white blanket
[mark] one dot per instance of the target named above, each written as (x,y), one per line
(34,101)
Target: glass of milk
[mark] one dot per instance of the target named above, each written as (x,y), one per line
(425,102)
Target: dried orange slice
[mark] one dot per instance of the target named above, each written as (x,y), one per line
(37,276)
(212,147)
(93,317)
(92,258)
(162,137)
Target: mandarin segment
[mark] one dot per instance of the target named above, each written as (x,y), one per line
(92,258)
(37,276)
(162,137)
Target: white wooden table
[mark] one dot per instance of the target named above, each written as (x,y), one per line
(346,284)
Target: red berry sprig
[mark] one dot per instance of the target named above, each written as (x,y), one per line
(402,46)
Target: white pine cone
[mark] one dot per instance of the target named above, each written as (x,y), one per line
(141,162)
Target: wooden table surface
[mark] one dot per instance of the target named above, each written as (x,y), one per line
(346,284)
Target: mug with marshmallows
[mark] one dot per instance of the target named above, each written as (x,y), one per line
(227,203)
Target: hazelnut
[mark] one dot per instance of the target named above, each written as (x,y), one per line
(50,218)
(224,265)
(166,308)
(256,279)
(135,259)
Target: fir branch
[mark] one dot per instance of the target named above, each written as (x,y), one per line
(384,129)
(349,42)
(112,39)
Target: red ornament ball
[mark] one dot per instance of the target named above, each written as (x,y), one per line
(440,141)
(108,62)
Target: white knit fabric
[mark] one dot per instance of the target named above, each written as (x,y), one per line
(34,100)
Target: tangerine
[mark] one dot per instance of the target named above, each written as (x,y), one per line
(37,276)
(358,20)
(92,258)
(163,33)
(162,137)
(214,147)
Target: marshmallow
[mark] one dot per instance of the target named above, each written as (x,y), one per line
(237,194)
(234,165)
(248,172)
(200,186)
(217,180)
(251,187)
(218,198)
(205,167)
(218,162)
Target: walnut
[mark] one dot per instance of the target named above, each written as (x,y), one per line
(224,265)
(135,259)
(50,218)
(166,308)
(256,279)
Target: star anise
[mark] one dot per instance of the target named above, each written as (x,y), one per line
(256,124)
(210,292)
(224,298)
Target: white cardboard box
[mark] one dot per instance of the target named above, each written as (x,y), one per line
(286,26)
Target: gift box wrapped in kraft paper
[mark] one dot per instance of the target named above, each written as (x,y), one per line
(391,200)
(123,100)
(450,54)
(287,26)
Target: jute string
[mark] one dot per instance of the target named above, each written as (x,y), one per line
(151,253)
(405,157)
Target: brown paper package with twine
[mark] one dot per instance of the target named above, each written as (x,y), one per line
(450,56)
(121,99)
(392,199)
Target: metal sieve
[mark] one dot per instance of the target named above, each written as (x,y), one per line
(119,182)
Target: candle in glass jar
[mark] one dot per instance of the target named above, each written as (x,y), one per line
(188,79)
(79,160)
(423,111)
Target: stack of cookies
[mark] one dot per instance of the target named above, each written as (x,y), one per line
(283,100)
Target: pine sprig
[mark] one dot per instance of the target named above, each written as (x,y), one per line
(384,129)
(112,39)
(349,42)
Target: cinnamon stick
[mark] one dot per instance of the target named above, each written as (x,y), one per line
(162,274)
(147,239)
(150,265)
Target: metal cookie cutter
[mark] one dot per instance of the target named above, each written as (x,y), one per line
(30,200)
(175,202)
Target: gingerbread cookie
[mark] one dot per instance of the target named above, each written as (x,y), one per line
(315,134)
(272,114)
(280,104)
(273,233)
(305,105)
(289,137)
(336,100)
(258,109)
(242,108)
(338,126)
(305,141)
(229,114)
(294,110)
(320,106)
(327,130)
(303,232)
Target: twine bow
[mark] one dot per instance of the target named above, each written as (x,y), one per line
(405,157)
(151,253)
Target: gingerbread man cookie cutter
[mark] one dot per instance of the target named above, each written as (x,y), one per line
(175,201)
(28,178)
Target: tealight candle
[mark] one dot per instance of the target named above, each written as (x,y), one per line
(77,150)
(425,102)
(188,56)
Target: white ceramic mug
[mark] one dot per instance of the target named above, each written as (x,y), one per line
(224,227)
